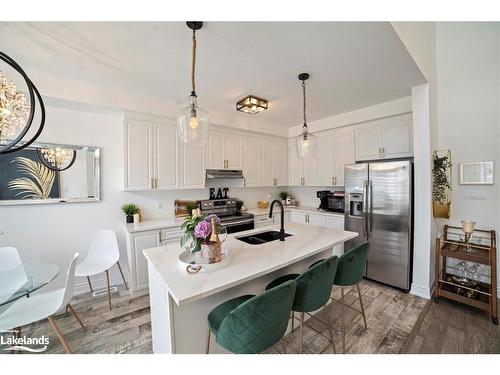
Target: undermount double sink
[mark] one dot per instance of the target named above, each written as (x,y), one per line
(262,237)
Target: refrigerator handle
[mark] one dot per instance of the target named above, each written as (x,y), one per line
(365,208)
(370,206)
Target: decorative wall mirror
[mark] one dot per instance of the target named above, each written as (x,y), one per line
(50,173)
(477,173)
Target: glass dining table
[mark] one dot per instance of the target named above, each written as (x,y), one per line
(25,279)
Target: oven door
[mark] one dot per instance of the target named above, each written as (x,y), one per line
(238,226)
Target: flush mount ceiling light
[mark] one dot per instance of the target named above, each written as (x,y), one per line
(193,121)
(252,104)
(305,142)
(57,159)
(16,115)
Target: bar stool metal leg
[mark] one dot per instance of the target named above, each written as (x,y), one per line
(284,347)
(293,320)
(208,342)
(301,333)
(330,332)
(361,304)
(342,317)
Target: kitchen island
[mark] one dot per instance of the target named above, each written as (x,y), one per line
(180,302)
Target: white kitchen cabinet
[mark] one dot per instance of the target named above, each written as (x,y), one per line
(192,166)
(385,139)
(266,163)
(335,222)
(343,154)
(325,160)
(151,155)
(368,143)
(138,168)
(316,219)
(137,262)
(224,150)
(166,155)
(216,158)
(302,172)
(234,159)
(139,241)
(298,217)
(252,161)
(397,140)
(295,166)
(280,163)
(264,219)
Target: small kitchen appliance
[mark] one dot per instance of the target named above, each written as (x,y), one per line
(331,201)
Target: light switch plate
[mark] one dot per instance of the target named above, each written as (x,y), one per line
(475,195)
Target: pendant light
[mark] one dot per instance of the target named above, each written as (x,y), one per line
(305,142)
(56,158)
(193,121)
(16,116)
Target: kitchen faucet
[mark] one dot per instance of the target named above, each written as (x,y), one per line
(282,216)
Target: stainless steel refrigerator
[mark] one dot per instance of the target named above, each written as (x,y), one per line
(378,205)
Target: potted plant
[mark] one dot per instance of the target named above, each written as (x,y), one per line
(441,185)
(130,209)
(239,204)
(283,196)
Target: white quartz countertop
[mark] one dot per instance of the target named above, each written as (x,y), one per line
(176,222)
(265,211)
(154,224)
(247,261)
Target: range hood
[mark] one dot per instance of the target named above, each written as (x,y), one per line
(224,174)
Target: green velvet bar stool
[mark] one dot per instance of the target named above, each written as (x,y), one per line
(350,271)
(314,287)
(252,324)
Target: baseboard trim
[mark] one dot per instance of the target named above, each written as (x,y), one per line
(98,282)
(420,291)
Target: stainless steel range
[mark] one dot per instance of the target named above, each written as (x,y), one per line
(233,220)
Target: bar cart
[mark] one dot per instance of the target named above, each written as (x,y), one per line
(456,281)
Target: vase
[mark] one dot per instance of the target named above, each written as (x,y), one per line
(212,252)
(130,219)
(137,218)
(441,210)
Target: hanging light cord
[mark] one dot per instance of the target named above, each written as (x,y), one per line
(193,92)
(304,108)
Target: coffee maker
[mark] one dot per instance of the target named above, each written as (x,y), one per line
(331,201)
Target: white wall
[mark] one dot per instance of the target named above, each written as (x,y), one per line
(53,232)
(468,78)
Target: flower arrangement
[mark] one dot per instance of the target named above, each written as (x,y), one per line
(197,230)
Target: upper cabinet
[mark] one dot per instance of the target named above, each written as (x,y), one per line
(154,160)
(265,162)
(224,151)
(334,150)
(151,155)
(385,139)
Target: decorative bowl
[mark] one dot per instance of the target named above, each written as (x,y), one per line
(263,204)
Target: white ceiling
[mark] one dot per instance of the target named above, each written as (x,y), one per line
(352,64)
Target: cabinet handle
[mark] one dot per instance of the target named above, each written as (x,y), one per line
(156,183)
(335,181)
(383,152)
(275,182)
(151,183)
(307,218)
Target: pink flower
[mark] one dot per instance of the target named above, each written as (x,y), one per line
(203,229)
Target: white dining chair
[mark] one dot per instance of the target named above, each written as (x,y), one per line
(103,254)
(43,306)
(12,273)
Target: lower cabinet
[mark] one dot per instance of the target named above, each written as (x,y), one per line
(139,241)
(263,220)
(322,220)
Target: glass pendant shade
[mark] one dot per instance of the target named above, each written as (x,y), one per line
(193,123)
(306,146)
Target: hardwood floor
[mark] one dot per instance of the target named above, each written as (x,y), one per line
(397,323)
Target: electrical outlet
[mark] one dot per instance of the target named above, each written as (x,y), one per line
(475,195)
